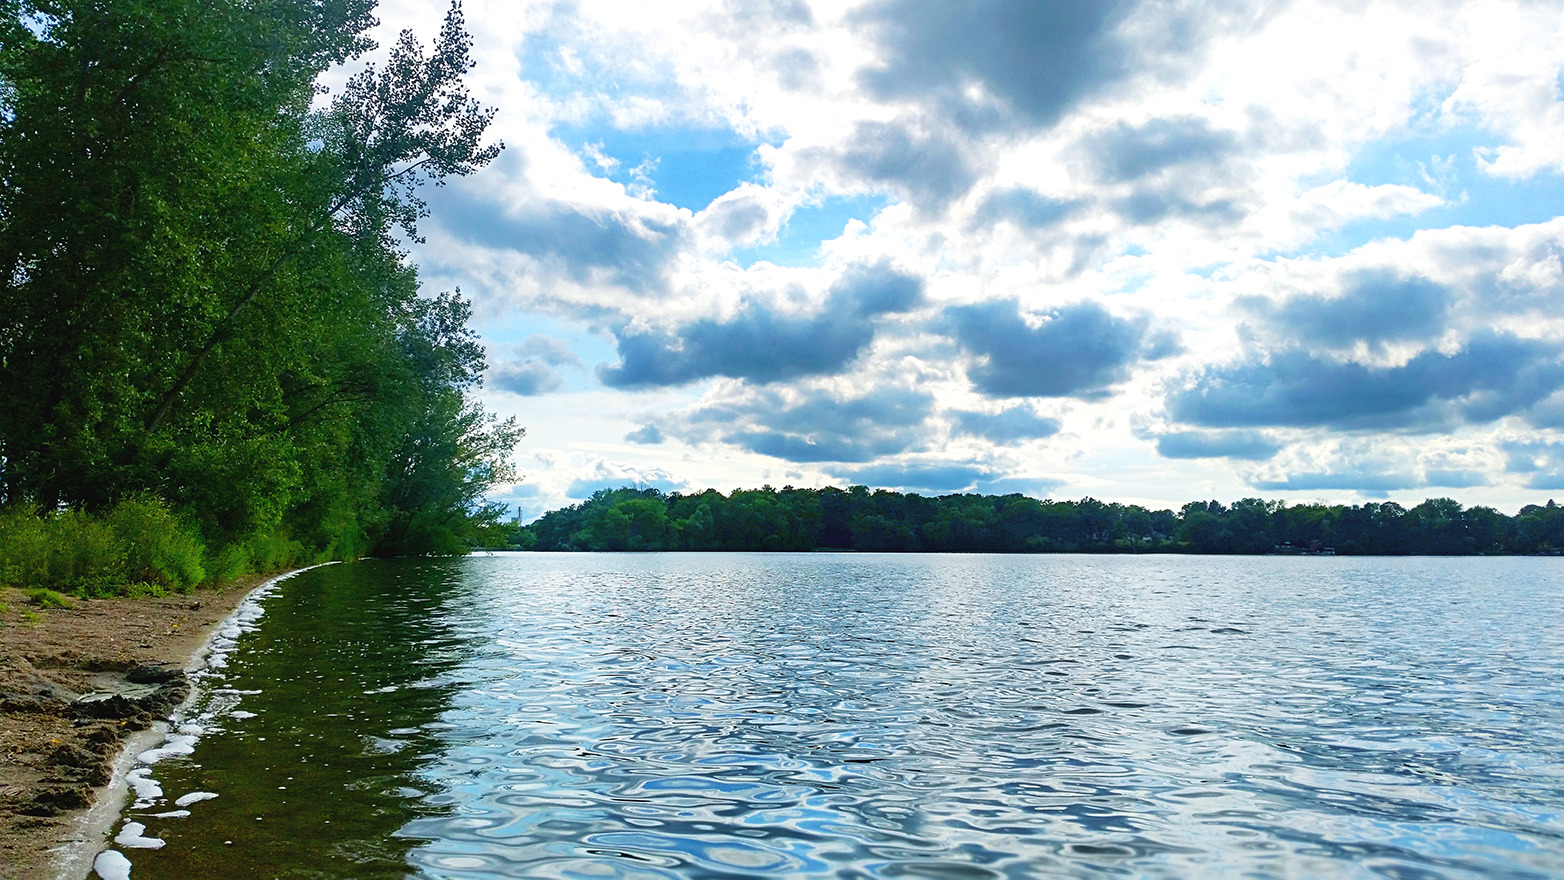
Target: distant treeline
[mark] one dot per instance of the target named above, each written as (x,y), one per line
(861,519)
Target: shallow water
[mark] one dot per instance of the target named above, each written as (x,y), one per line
(856,715)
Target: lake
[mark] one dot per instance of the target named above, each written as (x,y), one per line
(865,715)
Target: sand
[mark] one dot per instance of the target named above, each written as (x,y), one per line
(58,754)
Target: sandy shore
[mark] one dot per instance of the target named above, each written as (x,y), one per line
(57,756)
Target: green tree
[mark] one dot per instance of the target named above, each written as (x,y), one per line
(201,292)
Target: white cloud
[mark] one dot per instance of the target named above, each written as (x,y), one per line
(1231,192)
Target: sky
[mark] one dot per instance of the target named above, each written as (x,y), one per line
(1147,252)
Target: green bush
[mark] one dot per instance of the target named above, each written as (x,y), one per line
(47,598)
(140,589)
(68,551)
(24,546)
(138,541)
(139,547)
(159,548)
(271,551)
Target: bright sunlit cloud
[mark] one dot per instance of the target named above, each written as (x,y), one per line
(1147,252)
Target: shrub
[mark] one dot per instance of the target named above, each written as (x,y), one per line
(138,541)
(140,589)
(87,558)
(47,598)
(24,546)
(68,551)
(159,548)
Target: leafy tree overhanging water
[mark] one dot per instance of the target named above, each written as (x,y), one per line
(204,305)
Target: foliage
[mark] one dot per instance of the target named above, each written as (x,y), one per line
(47,598)
(67,551)
(858,519)
(214,357)
(138,545)
(158,548)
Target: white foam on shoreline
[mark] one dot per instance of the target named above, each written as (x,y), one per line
(187,731)
(175,744)
(134,836)
(111,865)
(146,789)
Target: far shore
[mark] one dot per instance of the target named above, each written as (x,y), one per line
(57,803)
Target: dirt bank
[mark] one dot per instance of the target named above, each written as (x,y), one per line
(57,750)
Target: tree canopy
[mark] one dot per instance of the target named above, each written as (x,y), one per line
(203,297)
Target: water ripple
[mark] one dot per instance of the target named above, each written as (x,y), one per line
(883,716)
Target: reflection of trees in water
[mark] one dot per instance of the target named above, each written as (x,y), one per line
(349,663)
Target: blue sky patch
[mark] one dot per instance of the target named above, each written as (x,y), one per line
(687,167)
(1444,163)
(798,243)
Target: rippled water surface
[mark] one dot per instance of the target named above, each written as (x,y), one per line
(862,715)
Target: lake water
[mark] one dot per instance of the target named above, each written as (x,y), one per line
(859,715)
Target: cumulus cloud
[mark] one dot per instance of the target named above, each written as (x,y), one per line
(1337,237)
(1034,60)
(739,217)
(1540,461)
(1547,413)
(1492,376)
(1454,479)
(526,378)
(1155,204)
(814,425)
(1375,308)
(646,435)
(1023,207)
(762,344)
(548,349)
(1008,426)
(925,167)
(1372,480)
(1368,481)
(603,474)
(923,477)
(588,245)
(1242,445)
(1074,351)
(1373,466)
(1131,152)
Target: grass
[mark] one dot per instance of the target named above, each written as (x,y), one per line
(45,598)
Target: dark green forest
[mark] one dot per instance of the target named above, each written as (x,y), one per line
(860,519)
(212,342)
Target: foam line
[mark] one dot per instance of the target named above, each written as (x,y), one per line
(208,663)
(111,865)
(134,836)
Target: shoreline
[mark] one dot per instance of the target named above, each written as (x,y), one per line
(62,776)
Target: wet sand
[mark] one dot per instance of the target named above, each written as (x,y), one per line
(57,752)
